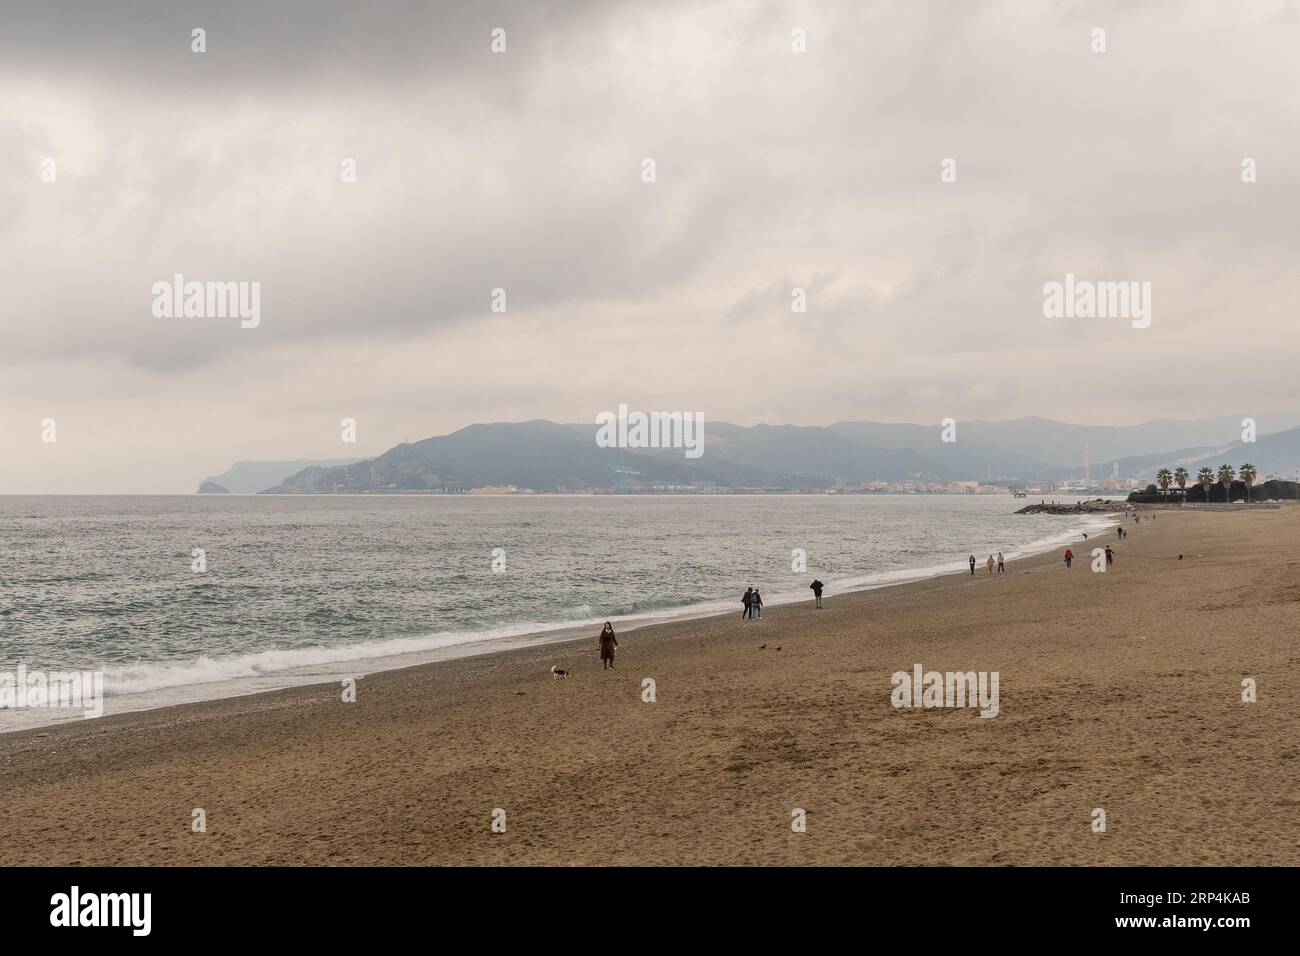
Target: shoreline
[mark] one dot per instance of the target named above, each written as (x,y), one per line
(374,659)
(1119,691)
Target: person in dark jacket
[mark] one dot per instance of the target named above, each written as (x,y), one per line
(817,590)
(748,602)
(972,564)
(607,642)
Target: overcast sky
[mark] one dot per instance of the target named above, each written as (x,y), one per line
(522,170)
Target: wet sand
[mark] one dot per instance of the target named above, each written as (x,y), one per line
(1119,691)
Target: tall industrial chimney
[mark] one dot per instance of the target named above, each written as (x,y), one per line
(1087,461)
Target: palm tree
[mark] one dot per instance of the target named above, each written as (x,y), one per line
(1247,472)
(1163,477)
(1180,478)
(1226,475)
(1206,477)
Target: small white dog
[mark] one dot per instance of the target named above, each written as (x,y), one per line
(558,672)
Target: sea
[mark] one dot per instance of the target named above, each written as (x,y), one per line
(186,598)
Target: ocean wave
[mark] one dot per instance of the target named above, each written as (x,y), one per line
(145,676)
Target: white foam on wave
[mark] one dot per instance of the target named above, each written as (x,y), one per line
(150,676)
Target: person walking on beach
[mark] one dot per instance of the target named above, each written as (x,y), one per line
(607,642)
(757,606)
(817,591)
(1069,557)
(1110,555)
(748,601)
(972,564)
(989,564)
(1002,565)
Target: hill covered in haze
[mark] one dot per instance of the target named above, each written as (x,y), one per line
(250,477)
(545,455)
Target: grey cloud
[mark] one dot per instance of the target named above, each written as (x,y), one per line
(278,44)
(521,171)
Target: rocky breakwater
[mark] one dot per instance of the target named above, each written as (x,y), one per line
(1073,507)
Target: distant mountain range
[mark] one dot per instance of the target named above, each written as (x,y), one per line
(545,455)
(1038,448)
(249,477)
(1277,454)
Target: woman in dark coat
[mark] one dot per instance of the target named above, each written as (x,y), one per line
(607,642)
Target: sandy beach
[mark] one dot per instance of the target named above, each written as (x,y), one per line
(1119,690)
